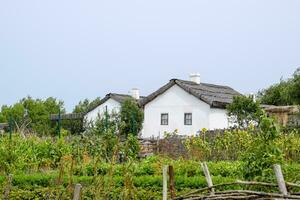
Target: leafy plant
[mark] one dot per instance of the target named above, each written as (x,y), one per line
(264,152)
(132,118)
(243,111)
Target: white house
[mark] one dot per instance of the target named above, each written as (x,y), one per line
(110,103)
(187,106)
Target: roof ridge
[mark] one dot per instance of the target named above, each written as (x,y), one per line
(202,83)
(118,94)
(212,94)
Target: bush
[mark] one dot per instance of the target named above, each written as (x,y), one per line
(264,152)
(229,145)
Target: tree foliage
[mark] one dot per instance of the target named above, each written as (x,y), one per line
(86,105)
(243,110)
(286,92)
(132,118)
(32,114)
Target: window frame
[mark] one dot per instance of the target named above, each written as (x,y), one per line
(162,120)
(186,120)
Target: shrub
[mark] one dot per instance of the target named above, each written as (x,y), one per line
(264,152)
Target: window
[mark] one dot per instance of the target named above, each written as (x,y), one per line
(164,119)
(188,118)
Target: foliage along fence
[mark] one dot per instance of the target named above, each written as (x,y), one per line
(217,145)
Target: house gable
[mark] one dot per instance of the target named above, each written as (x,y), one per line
(110,104)
(175,102)
(176,96)
(216,96)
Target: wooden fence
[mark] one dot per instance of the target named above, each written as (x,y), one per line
(210,192)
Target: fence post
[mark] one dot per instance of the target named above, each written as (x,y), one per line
(280,179)
(8,187)
(208,178)
(77,192)
(157,143)
(165,183)
(59,123)
(172,182)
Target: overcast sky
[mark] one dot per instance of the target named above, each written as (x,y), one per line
(73,49)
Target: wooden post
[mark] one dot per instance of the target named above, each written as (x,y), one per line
(208,177)
(280,179)
(172,182)
(8,187)
(59,123)
(157,143)
(165,183)
(77,192)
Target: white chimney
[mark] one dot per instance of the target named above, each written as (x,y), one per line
(195,78)
(135,93)
(253,96)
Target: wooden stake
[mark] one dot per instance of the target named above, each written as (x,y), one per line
(280,179)
(8,187)
(77,192)
(208,177)
(165,183)
(172,182)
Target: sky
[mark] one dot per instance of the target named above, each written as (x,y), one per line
(77,49)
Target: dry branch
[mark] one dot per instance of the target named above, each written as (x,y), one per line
(252,183)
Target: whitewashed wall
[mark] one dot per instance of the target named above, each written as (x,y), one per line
(176,102)
(218,119)
(112,106)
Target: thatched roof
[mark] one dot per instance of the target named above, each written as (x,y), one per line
(281,109)
(117,97)
(3,126)
(68,116)
(217,96)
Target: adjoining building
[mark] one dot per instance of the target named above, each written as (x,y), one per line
(3,126)
(287,116)
(110,103)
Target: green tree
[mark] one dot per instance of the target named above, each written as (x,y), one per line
(277,94)
(132,118)
(86,105)
(295,88)
(286,92)
(243,110)
(32,113)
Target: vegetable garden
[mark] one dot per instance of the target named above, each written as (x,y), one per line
(108,168)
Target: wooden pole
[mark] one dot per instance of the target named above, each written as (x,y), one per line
(59,123)
(165,183)
(280,179)
(77,192)
(8,187)
(172,182)
(208,177)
